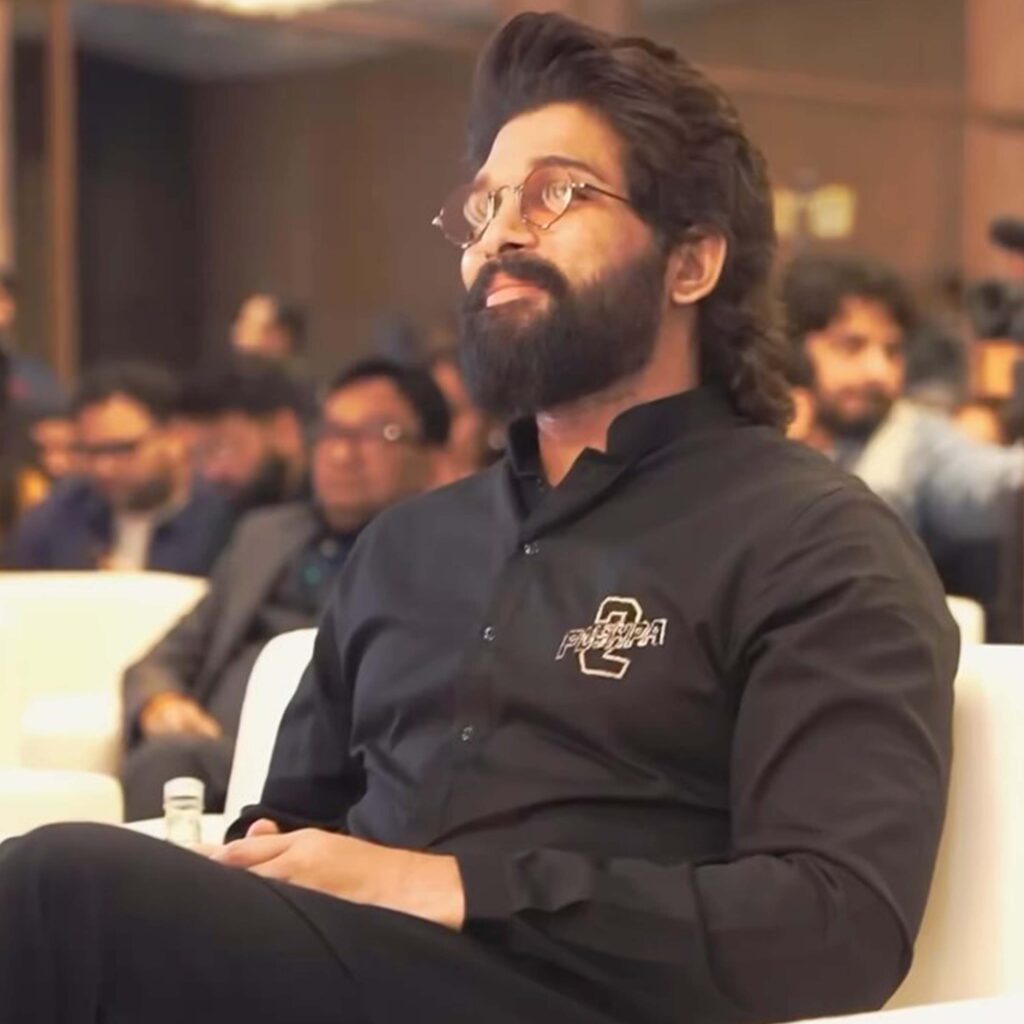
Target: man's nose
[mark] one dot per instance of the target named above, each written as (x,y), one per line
(877,365)
(507,230)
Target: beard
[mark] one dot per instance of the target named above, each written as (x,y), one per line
(856,428)
(518,362)
(146,496)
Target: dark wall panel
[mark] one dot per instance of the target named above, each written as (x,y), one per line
(137,215)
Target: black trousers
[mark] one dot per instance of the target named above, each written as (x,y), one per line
(149,765)
(99,924)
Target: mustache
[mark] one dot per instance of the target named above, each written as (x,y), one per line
(528,269)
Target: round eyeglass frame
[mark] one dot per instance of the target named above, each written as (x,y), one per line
(456,200)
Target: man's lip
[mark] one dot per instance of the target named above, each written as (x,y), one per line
(505,288)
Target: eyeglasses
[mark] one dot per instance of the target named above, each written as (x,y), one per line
(366,433)
(116,449)
(544,196)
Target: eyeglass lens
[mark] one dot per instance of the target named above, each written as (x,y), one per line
(543,197)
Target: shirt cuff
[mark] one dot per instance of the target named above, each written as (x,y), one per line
(485,887)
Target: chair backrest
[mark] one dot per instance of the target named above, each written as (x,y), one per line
(271,685)
(74,633)
(972,939)
(969,617)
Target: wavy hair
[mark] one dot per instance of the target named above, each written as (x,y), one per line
(690,168)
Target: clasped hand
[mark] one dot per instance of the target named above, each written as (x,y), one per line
(425,885)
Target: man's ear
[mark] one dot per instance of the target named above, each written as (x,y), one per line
(694,267)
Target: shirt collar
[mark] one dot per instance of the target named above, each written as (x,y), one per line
(636,432)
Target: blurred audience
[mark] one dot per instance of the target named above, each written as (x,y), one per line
(249,443)
(381,432)
(849,319)
(268,326)
(31,385)
(982,419)
(8,467)
(935,372)
(476,439)
(133,505)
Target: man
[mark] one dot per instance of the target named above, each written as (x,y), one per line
(266,325)
(32,386)
(134,506)
(381,431)
(250,443)
(648,723)
(848,321)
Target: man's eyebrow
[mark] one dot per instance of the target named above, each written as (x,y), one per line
(551,160)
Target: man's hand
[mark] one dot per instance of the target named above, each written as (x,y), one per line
(425,885)
(168,714)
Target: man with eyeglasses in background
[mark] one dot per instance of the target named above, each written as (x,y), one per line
(246,420)
(134,503)
(379,439)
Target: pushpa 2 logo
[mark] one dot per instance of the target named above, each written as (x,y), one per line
(618,626)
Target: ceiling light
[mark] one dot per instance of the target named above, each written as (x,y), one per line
(271,8)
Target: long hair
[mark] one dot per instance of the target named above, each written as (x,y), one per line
(690,169)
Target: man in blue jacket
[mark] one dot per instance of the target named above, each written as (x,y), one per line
(135,505)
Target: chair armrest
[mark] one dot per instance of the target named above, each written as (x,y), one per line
(30,798)
(73,732)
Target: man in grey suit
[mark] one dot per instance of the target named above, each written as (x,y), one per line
(382,428)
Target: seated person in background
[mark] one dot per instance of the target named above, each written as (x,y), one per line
(134,505)
(250,443)
(848,319)
(647,723)
(982,419)
(50,454)
(381,432)
(8,460)
(477,439)
(266,325)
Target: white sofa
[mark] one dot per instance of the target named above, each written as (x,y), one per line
(66,638)
(998,1010)
(972,939)
(271,685)
(969,617)
(32,797)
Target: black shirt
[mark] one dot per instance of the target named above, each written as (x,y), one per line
(684,719)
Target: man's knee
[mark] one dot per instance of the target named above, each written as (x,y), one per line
(53,857)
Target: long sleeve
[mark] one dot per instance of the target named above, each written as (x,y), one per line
(313,780)
(844,655)
(173,664)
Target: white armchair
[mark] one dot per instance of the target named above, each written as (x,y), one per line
(272,683)
(969,617)
(30,797)
(65,639)
(972,939)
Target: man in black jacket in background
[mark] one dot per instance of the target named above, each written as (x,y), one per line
(649,722)
(381,430)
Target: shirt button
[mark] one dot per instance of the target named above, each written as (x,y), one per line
(489,633)
(467,733)
(531,549)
